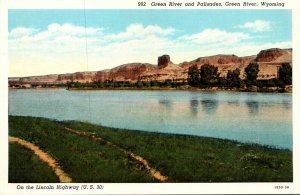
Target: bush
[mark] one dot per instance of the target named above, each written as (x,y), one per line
(209,75)
(233,78)
(285,74)
(193,76)
(251,73)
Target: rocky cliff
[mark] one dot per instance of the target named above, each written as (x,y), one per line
(268,61)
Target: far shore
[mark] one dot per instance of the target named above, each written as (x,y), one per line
(287,89)
(212,89)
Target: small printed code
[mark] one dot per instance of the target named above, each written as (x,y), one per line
(281,187)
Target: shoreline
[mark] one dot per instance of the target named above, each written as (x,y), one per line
(287,89)
(116,129)
(258,90)
(258,145)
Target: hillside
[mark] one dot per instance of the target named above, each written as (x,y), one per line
(268,61)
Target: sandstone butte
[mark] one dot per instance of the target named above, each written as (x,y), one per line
(268,61)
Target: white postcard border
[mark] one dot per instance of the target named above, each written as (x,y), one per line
(123,188)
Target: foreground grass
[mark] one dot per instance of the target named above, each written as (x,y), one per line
(181,158)
(24,166)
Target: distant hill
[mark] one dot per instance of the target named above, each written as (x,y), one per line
(268,60)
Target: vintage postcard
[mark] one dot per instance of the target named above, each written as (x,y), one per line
(149,97)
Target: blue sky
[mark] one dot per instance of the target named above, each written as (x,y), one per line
(53,41)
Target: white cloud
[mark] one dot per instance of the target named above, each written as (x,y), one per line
(211,36)
(56,38)
(140,31)
(257,26)
(21,32)
(53,31)
(70,38)
(70,29)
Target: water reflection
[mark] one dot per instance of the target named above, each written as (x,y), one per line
(167,103)
(233,103)
(287,105)
(253,107)
(194,106)
(209,106)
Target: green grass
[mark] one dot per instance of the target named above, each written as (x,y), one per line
(181,158)
(24,166)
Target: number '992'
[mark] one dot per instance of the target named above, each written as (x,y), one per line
(141,3)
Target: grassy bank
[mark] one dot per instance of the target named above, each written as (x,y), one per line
(180,158)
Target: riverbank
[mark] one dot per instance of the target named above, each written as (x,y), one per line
(99,154)
(287,89)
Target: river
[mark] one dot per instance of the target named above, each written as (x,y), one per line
(264,118)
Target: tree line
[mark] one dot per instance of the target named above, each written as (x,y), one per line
(208,76)
(204,77)
(126,84)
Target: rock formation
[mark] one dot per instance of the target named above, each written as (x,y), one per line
(163,61)
(269,55)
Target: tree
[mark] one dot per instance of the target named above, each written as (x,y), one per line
(168,82)
(285,74)
(68,85)
(193,76)
(251,72)
(154,83)
(233,78)
(139,84)
(209,74)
